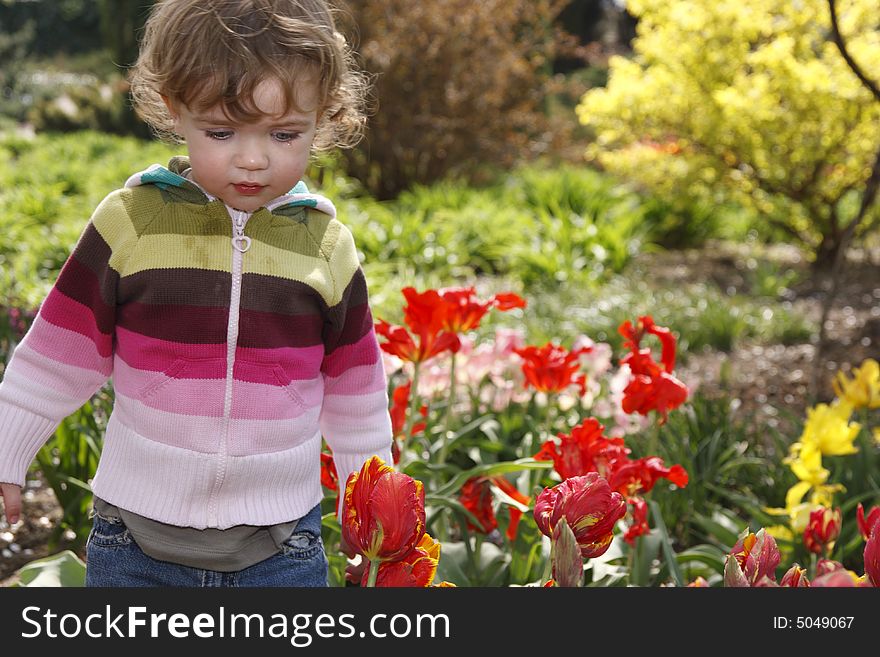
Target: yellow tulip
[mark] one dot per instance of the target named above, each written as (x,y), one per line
(829,429)
(805,460)
(863,390)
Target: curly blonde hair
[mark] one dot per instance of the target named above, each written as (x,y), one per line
(208,53)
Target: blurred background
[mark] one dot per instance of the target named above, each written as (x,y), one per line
(712,163)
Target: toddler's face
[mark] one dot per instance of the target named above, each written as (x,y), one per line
(248,165)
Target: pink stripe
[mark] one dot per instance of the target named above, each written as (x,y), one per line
(163,391)
(204,435)
(67,347)
(258,401)
(66,313)
(192,432)
(363,352)
(357,381)
(207,361)
(145,353)
(61,379)
(176,391)
(295,363)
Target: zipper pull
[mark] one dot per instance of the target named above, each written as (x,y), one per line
(241,243)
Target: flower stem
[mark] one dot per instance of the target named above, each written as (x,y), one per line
(413,403)
(444,446)
(374,572)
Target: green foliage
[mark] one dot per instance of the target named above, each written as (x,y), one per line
(49,186)
(725,469)
(69,461)
(701,315)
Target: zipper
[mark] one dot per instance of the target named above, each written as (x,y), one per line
(240,244)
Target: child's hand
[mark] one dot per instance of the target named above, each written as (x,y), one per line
(11,495)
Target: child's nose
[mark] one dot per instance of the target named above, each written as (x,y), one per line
(251,157)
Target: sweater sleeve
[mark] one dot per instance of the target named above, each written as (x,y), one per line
(68,352)
(354,417)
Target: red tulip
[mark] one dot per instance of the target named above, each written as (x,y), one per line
(795,577)
(866,523)
(639,476)
(515,512)
(329,478)
(835,578)
(872,556)
(822,530)
(476,496)
(754,557)
(589,506)
(416,569)
(652,387)
(585,450)
(639,525)
(699,583)
(464,310)
(824,566)
(383,515)
(401,344)
(552,368)
(399,407)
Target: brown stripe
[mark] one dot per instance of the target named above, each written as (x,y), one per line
(350,319)
(358,322)
(192,324)
(283,296)
(269,330)
(207,325)
(184,287)
(81,284)
(93,254)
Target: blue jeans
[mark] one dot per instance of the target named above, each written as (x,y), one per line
(114,559)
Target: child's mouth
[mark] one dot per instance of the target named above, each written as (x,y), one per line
(247,189)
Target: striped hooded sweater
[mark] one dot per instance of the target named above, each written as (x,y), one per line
(235,341)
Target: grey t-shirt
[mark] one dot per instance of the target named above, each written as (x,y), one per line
(223,550)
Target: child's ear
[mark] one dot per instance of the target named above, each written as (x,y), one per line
(172,109)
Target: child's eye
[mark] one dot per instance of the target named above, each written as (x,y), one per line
(219,135)
(285,136)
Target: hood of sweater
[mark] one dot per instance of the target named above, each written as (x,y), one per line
(175,183)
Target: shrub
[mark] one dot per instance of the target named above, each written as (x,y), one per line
(458,83)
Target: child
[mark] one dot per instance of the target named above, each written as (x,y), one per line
(228,305)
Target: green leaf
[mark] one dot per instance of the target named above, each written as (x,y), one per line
(489,469)
(645,550)
(666,544)
(62,569)
(568,565)
(455,565)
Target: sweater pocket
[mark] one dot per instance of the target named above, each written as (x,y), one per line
(288,386)
(162,379)
(189,386)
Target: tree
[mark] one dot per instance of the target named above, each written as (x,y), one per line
(750,101)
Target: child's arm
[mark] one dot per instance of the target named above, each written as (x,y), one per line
(354,416)
(68,352)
